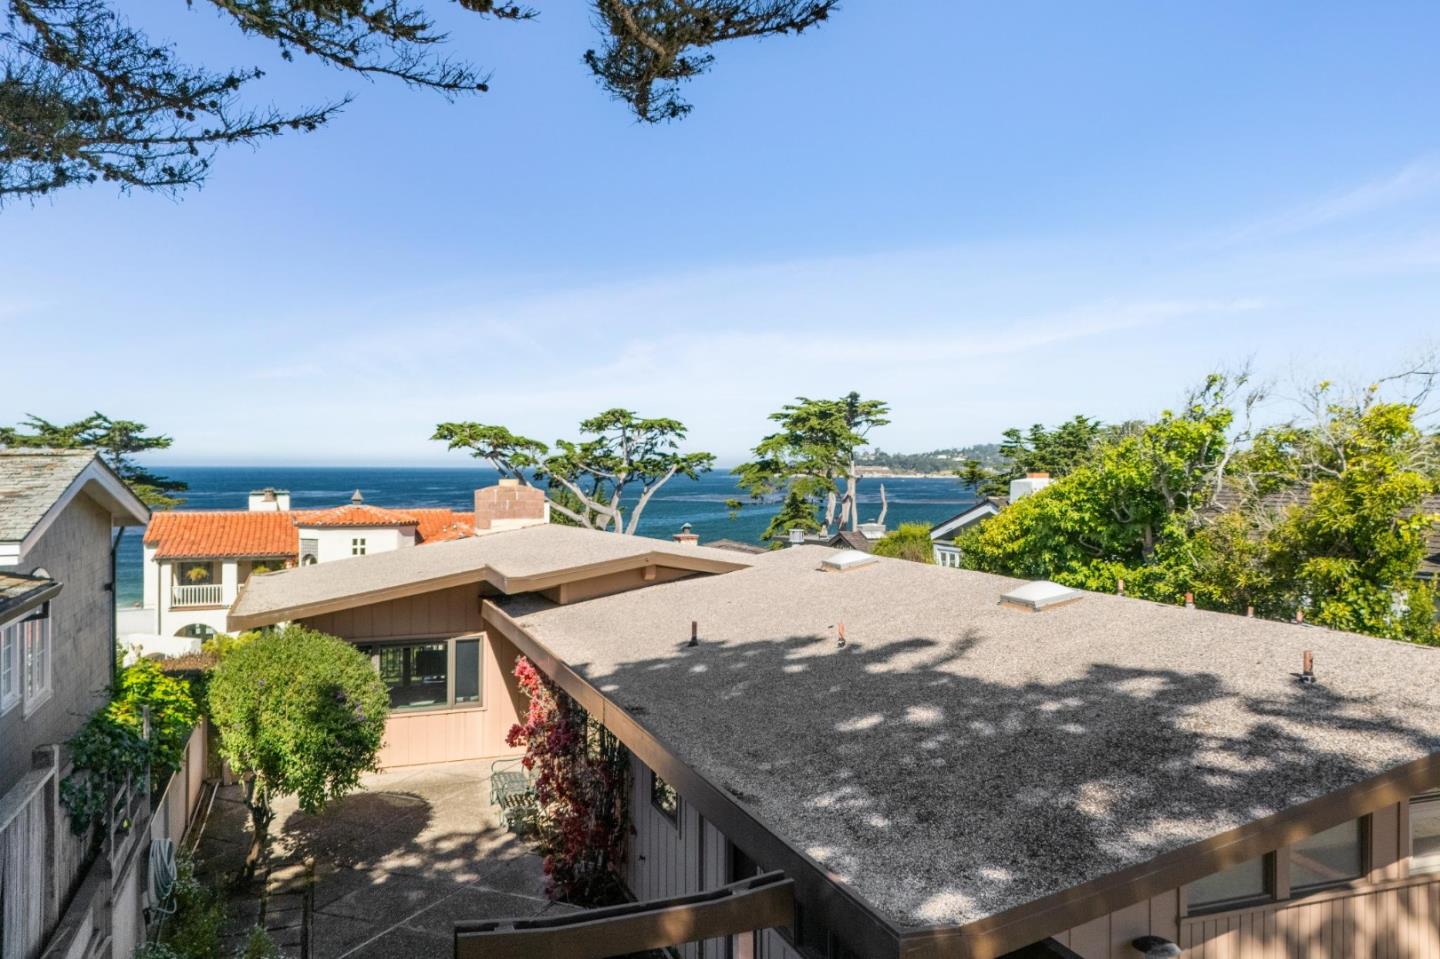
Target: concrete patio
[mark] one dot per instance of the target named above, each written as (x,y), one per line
(395,864)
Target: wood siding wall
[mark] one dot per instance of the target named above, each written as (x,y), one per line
(76,551)
(445,612)
(673,858)
(439,735)
(1388,915)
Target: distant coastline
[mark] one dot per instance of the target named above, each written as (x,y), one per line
(702,503)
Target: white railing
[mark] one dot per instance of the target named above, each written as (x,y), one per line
(206,594)
(947,556)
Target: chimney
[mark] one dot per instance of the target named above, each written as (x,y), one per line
(797,536)
(508,505)
(685,537)
(356,499)
(1031,483)
(269,500)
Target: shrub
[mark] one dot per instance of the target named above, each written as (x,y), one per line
(112,745)
(259,945)
(911,541)
(299,713)
(582,817)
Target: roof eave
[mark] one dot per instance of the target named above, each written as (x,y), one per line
(505,584)
(100,483)
(31,600)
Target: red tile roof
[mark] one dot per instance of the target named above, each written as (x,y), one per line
(223,534)
(356,514)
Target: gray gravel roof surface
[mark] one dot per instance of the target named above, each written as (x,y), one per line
(958,758)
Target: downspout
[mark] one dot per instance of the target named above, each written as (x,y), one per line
(114,603)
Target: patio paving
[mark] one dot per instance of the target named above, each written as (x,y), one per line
(395,864)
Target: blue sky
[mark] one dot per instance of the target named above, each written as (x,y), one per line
(988,215)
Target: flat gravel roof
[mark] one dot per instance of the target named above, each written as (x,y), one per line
(957,758)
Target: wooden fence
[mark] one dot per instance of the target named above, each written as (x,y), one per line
(62,898)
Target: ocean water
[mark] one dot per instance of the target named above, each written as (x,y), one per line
(701,503)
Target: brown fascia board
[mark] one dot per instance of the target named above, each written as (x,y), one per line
(824,896)
(505,584)
(867,932)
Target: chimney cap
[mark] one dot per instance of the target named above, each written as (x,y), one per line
(356,498)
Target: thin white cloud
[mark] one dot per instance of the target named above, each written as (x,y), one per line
(1416,181)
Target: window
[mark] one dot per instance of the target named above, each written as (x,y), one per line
(1326,858)
(467,671)
(429,675)
(357,546)
(664,798)
(9,667)
(35,640)
(1246,882)
(1425,833)
(196,631)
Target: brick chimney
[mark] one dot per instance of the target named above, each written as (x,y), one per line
(685,537)
(509,505)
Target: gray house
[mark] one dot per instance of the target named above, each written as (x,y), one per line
(59,512)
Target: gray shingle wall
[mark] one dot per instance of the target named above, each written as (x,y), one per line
(76,551)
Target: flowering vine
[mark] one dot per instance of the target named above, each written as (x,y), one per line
(582,779)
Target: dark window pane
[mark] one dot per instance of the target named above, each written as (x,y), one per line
(664,797)
(415,675)
(1247,881)
(467,671)
(1332,856)
(1425,834)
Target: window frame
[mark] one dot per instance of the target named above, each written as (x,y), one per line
(12,670)
(371,649)
(657,786)
(1432,799)
(36,633)
(1270,869)
(1363,836)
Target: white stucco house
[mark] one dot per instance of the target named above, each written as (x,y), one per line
(196,562)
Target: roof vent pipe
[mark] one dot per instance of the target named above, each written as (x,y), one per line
(1307,668)
(840,641)
(694,633)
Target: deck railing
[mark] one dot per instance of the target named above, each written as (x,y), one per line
(205,594)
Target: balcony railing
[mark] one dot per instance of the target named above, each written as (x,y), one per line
(205,594)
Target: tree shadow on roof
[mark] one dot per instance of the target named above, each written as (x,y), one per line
(943,797)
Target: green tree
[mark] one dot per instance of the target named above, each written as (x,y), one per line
(117,441)
(87,96)
(1057,451)
(299,713)
(590,480)
(1348,551)
(808,457)
(910,541)
(1322,514)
